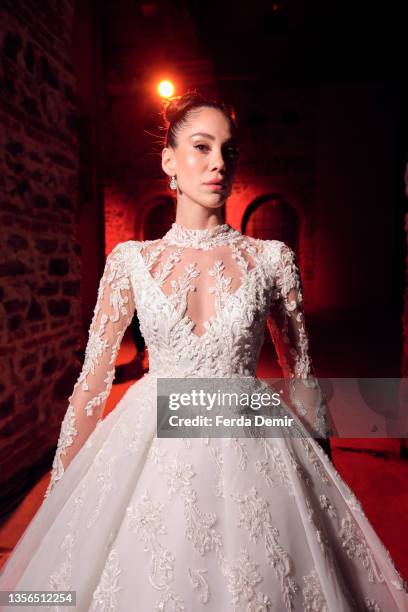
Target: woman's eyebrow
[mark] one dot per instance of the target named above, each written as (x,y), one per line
(211,137)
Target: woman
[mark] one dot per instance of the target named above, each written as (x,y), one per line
(135,522)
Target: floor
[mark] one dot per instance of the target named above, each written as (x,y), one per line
(375,472)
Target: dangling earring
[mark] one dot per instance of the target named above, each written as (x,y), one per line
(173,183)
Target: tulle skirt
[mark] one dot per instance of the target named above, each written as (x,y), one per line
(140,523)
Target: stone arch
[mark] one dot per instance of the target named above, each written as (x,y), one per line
(157,216)
(272,217)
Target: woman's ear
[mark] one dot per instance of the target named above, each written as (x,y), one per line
(168,161)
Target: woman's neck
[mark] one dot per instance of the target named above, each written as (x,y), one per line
(197,217)
(201,238)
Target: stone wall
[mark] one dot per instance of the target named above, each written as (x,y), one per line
(404,364)
(40,265)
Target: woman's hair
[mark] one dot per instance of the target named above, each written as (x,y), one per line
(177,110)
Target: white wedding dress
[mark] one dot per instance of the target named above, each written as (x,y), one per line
(137,523)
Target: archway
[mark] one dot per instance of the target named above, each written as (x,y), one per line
(159,215)
(270,217)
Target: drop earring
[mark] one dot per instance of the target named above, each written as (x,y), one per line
(173,183)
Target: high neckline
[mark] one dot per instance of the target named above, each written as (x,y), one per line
(208,238)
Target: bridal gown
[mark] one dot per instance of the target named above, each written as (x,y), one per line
(133,522)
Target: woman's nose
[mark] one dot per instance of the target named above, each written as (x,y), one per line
(218,160)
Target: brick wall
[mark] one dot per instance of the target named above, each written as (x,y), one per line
(404,365)
(39,266)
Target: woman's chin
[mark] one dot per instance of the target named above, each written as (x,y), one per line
(214,205)
(215,200)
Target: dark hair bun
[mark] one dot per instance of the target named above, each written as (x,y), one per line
(175,111)
(177,105)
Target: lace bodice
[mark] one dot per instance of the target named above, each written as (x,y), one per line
(204,299)
(192,301)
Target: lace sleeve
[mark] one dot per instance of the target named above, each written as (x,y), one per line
(113,312)
(287,328)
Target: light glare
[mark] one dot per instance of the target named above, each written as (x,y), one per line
(166,89)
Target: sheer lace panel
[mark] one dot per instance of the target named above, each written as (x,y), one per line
(286,324)
(198,282)
(113,312)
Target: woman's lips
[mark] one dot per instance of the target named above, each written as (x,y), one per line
(216,186)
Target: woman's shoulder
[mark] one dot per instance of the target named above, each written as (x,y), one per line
(130,246)
(278,247)
(273,249)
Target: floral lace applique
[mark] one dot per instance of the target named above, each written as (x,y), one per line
(274,461)
(286,324)
(262,466)
(243,578)
(181,287)
(313,598)
(310,511)
(166,268)
(67,434)
(199,528)
(222,285)
(372,605)
(321,536)
(298,468)
(356,547)
(132,436)
(105,477)
(240,448)
(217,456)
(60,580)
(312,456)
(145,520)
(200,583)
(97,345)
(104,598)
(326,504)
(254,516)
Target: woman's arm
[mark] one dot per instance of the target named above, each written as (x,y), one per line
(286,325)
(113,312)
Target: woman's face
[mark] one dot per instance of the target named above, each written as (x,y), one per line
(206,151)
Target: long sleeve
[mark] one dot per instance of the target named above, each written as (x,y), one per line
(287,328)
(113,312)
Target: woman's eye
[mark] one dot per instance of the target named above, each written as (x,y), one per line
(231,151)
(199,147)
